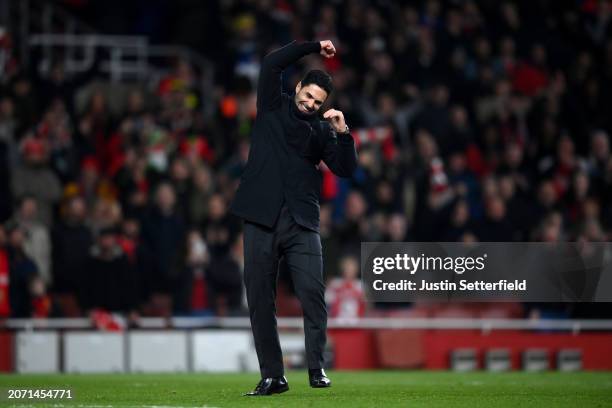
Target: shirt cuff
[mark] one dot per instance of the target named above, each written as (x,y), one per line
(312,46)
(345,138)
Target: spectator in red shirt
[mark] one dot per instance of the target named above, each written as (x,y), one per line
(344,295)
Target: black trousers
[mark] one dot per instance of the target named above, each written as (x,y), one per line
(301,248)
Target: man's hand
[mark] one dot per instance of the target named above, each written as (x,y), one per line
(336,119)
(327,49)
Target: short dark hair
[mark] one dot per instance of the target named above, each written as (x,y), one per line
(320,78)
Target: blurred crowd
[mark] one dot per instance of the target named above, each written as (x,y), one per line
(475,120)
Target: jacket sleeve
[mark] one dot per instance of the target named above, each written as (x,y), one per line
(340,154)
(269,87)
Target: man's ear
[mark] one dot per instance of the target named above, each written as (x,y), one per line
(298,87)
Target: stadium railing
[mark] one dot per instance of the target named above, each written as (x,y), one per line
(485,325)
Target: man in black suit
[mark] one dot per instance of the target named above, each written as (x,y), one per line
(278,198)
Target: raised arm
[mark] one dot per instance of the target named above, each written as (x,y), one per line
(269,84)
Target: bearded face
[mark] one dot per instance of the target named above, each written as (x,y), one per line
(309,98)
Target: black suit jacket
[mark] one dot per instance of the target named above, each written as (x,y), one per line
(286,148)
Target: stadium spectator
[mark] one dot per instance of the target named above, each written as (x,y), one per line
(108,281)
(22,272)
(517,206)
(354,229)
(42,304)
(344,295)
(224,279)
(196,261)
(163,231)
(36,179)
(180,177)
(56,130)
(133,184)
(71,239)
(201,192)
(104,213)
(219,228)
(139,257)
(37,242)
(396,229)
(25,102)
(495,226)
(460,223)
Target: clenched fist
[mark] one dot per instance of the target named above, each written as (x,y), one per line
(336,119)
(327,49)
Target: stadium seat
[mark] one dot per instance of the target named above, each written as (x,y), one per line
(498,360)
(465,359)
(535,360)
(569,360)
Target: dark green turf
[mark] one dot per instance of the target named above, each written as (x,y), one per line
(350,389)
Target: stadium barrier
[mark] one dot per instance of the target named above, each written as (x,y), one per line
(484,325)
(181,344)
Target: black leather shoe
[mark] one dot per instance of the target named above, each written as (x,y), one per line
(269,386)
(318,378)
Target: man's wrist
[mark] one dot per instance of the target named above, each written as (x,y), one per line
(346,130)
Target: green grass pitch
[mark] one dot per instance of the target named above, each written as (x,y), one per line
(350,389)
